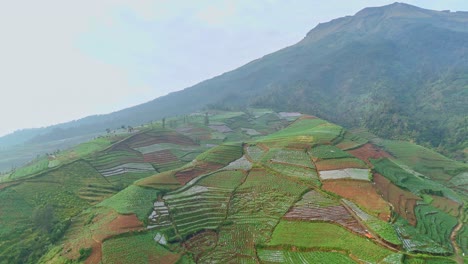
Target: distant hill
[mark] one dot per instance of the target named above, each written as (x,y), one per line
(398,70)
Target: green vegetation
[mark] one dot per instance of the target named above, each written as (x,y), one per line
(265,205)
(138,248)
(311,235)
(424,161)
(132,200)
(328,152)
(409,181)
(35,167)
(436,224)
(223,154)
(319,257)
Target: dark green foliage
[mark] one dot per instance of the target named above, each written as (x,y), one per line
(84,253)
(43,218)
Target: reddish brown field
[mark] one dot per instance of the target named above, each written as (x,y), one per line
(201,242)
(447,205)
(188,174)
(361,192)
(336,214)
(160,157)
(403,201)
(339,164)
(108,225)
(146,139)
(369,151)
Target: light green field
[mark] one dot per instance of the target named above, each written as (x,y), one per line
(326,236)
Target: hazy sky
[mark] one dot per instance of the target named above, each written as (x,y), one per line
(63,60)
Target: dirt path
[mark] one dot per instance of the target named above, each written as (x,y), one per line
(453,237)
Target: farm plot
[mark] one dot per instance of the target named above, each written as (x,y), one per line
(189,173)
(90,228)
(415,242)
(435,224)
(155,137)
(350,141)
(351,173)
(462,239)
(403,201)
(159,157)
(241,164)
(317,207)
(316,257)
(223,179)
(165,180)
(361,192)
(200,243)
(382,228)
(339,164)
(115,158)
(221,128)
(62,188)
(197,208)
(127,168)
(311,235)
(255,208)
(236,244)
(289,156)
(307,175)
(159,217)
(32,168)
(446,205)
(132,200)
(165,146)
(322,152)
(140,248)
(250,132)
(254,153)
(410,181)
(425,161)
(223,154)
(369,151)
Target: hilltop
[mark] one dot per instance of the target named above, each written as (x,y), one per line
(397,70)
(237,187)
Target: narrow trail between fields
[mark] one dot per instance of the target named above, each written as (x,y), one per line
(453,237)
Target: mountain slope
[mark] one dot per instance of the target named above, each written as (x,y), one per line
(398,70)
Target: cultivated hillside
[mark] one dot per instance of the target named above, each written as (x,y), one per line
(236,187)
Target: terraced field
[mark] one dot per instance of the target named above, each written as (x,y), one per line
(319,257)
(361,192)
(311,235)
(308,193)
(318,207)
(354,174)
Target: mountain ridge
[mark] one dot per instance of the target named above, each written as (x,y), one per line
(396,45)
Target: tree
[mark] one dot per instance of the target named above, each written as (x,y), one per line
(43,218)
(207,120)
(108,130)
(164,122)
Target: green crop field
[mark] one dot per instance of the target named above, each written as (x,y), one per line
(311,235)
(37,166)
(328,152)
(319,257)
(289,156)
(132,200)
(409,181)
(223,179)
(139,248)
(436,224)
(223,154)
(424,161)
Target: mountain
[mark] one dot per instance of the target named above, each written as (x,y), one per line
(398,70)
